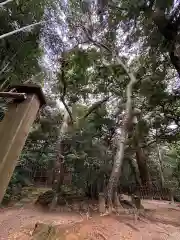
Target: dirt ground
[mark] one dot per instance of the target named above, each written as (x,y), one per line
(160,222)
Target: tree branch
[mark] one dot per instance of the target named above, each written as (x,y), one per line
(67,109)
(20,30)
(95,106)
(7,64)
(64,89)
(113,53)
(63,77)
(5,2)
(3,84)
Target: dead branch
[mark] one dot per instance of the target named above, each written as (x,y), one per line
(20,29)
(95,106)
(5,2)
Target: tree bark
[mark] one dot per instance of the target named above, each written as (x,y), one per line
(118,160)
(160,166)
(58,170)
(58,165)
(102,205)
(117,203)
(175,60)
(142,165)
(135,170)
(141,157)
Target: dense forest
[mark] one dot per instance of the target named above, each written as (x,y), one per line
(110,71)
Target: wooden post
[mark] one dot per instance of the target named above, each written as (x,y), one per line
(14,130)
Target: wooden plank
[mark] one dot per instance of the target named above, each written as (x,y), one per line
(18,96)
(31,89)
(14,130)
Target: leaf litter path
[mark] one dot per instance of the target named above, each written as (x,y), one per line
(162,224)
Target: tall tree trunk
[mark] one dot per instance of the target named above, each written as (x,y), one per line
(175,60)
(142,165)
(58,171)
(119,157)
(135,170)
(58,164)
(141,157)
(117,165)
(160,166)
